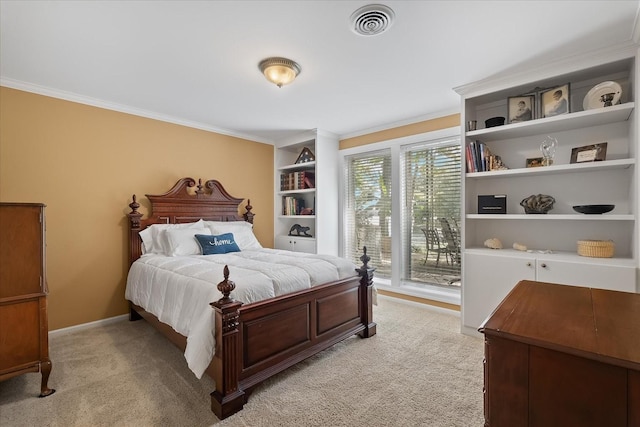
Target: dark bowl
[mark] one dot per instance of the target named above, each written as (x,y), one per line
(593,209)
(494,121)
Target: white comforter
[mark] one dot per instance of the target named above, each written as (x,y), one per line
(178,290)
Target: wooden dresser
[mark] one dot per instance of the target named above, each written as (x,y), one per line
(24,332)
(559,355)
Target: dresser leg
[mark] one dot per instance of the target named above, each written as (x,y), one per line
(45,369)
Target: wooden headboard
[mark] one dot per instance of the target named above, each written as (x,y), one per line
(184,203)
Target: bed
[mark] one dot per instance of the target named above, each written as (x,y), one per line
(251,341)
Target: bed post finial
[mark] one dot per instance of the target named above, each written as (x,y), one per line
(365,258)
(226,286)
(248,216)
(134,205)
(134,215)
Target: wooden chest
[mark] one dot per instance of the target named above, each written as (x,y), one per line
(559,355)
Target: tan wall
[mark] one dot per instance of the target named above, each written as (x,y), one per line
(85,162)
(445,122)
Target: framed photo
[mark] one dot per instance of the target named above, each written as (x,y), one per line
(589,153)
(534,162)
(521,108)
(555,101)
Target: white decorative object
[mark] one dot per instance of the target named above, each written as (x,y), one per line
(519,247)
(603,94)
(548,148)
(493,243)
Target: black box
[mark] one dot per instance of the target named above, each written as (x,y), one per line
(492,204)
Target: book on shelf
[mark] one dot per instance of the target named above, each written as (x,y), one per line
(297,180)
(293,205)
(479,157)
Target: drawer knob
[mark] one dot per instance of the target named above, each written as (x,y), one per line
(528,264)
(543,265)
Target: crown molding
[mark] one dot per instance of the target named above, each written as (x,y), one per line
(567,65)
(94,102)
(400,123)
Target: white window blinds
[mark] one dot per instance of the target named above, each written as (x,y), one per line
(368,209)
(431,211)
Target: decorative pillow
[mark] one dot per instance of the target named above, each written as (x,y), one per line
(182,241)
(151,235)
(222,244)
(242,231)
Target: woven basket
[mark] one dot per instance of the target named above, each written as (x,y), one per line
(596,248)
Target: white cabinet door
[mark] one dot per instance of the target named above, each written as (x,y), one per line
(602,276)
(296,244)
(487,280)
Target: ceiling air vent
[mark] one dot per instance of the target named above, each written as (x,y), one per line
(371,20)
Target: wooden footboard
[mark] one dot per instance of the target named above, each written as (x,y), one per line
(256,341)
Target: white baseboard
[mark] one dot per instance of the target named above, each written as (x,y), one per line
(102,322)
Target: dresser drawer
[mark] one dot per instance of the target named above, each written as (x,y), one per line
(19,334)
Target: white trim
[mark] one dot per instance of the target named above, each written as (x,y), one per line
(420,304)
(567,65)
(411,139)
(449,296)
(432,292)
(94,102)
(102,322)
(400,123)
(635,32)
(86,100)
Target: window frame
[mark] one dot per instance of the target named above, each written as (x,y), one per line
(396,284)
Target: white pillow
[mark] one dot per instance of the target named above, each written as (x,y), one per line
(182,241)
(151,235)
(242,232)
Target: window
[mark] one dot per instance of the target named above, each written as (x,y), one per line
(368,209)
(431,212)
(402,200)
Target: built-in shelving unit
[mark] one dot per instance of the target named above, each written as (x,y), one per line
(318,196)
(551,239)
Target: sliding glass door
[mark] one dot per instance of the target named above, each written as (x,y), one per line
(431,212)
(402,201)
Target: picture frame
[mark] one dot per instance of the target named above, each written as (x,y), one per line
(306,156)
(534,162)
(555,101)
(521,108)
(589,153)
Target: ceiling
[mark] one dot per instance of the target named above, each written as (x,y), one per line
(196,62)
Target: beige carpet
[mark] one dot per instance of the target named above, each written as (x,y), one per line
(417,371)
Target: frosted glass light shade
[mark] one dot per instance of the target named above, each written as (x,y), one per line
(280,71)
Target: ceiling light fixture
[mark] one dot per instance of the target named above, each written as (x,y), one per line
(280,71)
